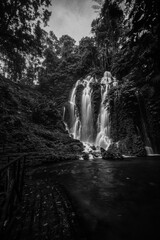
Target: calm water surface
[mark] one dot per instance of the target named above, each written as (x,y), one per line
(115,200)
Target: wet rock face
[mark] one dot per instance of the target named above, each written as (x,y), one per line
(125,121)
(139,147)
(112,153)
(132,145)
(151,101)
(79,92)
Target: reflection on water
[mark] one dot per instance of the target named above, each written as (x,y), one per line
(118,199)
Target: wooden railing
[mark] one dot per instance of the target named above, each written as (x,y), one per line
(11,189)
(9,147)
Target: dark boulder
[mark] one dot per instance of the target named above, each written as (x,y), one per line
(85,156)
(112,153)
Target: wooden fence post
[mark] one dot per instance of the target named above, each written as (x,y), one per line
(12,177)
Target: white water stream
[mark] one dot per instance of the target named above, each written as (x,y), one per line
(82,126)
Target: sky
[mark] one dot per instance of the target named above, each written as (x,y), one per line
(71,17)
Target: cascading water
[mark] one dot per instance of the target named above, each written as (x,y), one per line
(86,113)
(103,136)
(81,124)
(74,118)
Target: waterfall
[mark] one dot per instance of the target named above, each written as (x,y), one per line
(81,121)
(87,116)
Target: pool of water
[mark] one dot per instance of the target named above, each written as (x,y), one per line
(114,199)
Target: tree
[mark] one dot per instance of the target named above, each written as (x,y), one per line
(139,55)
(145,32)
(67,46)
(16,65)
(20,27)
(88,54)
(107,30)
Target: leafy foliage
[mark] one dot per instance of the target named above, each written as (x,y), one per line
(21,32)
(65,62)
(107,29)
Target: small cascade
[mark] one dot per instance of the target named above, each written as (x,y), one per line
(74,118)
(147,140)
(149,151)
(81,121)
(66,126)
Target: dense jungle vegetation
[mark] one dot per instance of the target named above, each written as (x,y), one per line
(125,40)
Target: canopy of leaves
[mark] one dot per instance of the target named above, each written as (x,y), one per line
(20,29)
(141,41)
(107,29)
(17,20)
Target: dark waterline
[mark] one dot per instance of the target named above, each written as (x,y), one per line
(114,200)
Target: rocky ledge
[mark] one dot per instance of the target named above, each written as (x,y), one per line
(112,153)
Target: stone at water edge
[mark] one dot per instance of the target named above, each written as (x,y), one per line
(106,155)
(112,153)
(86,156)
